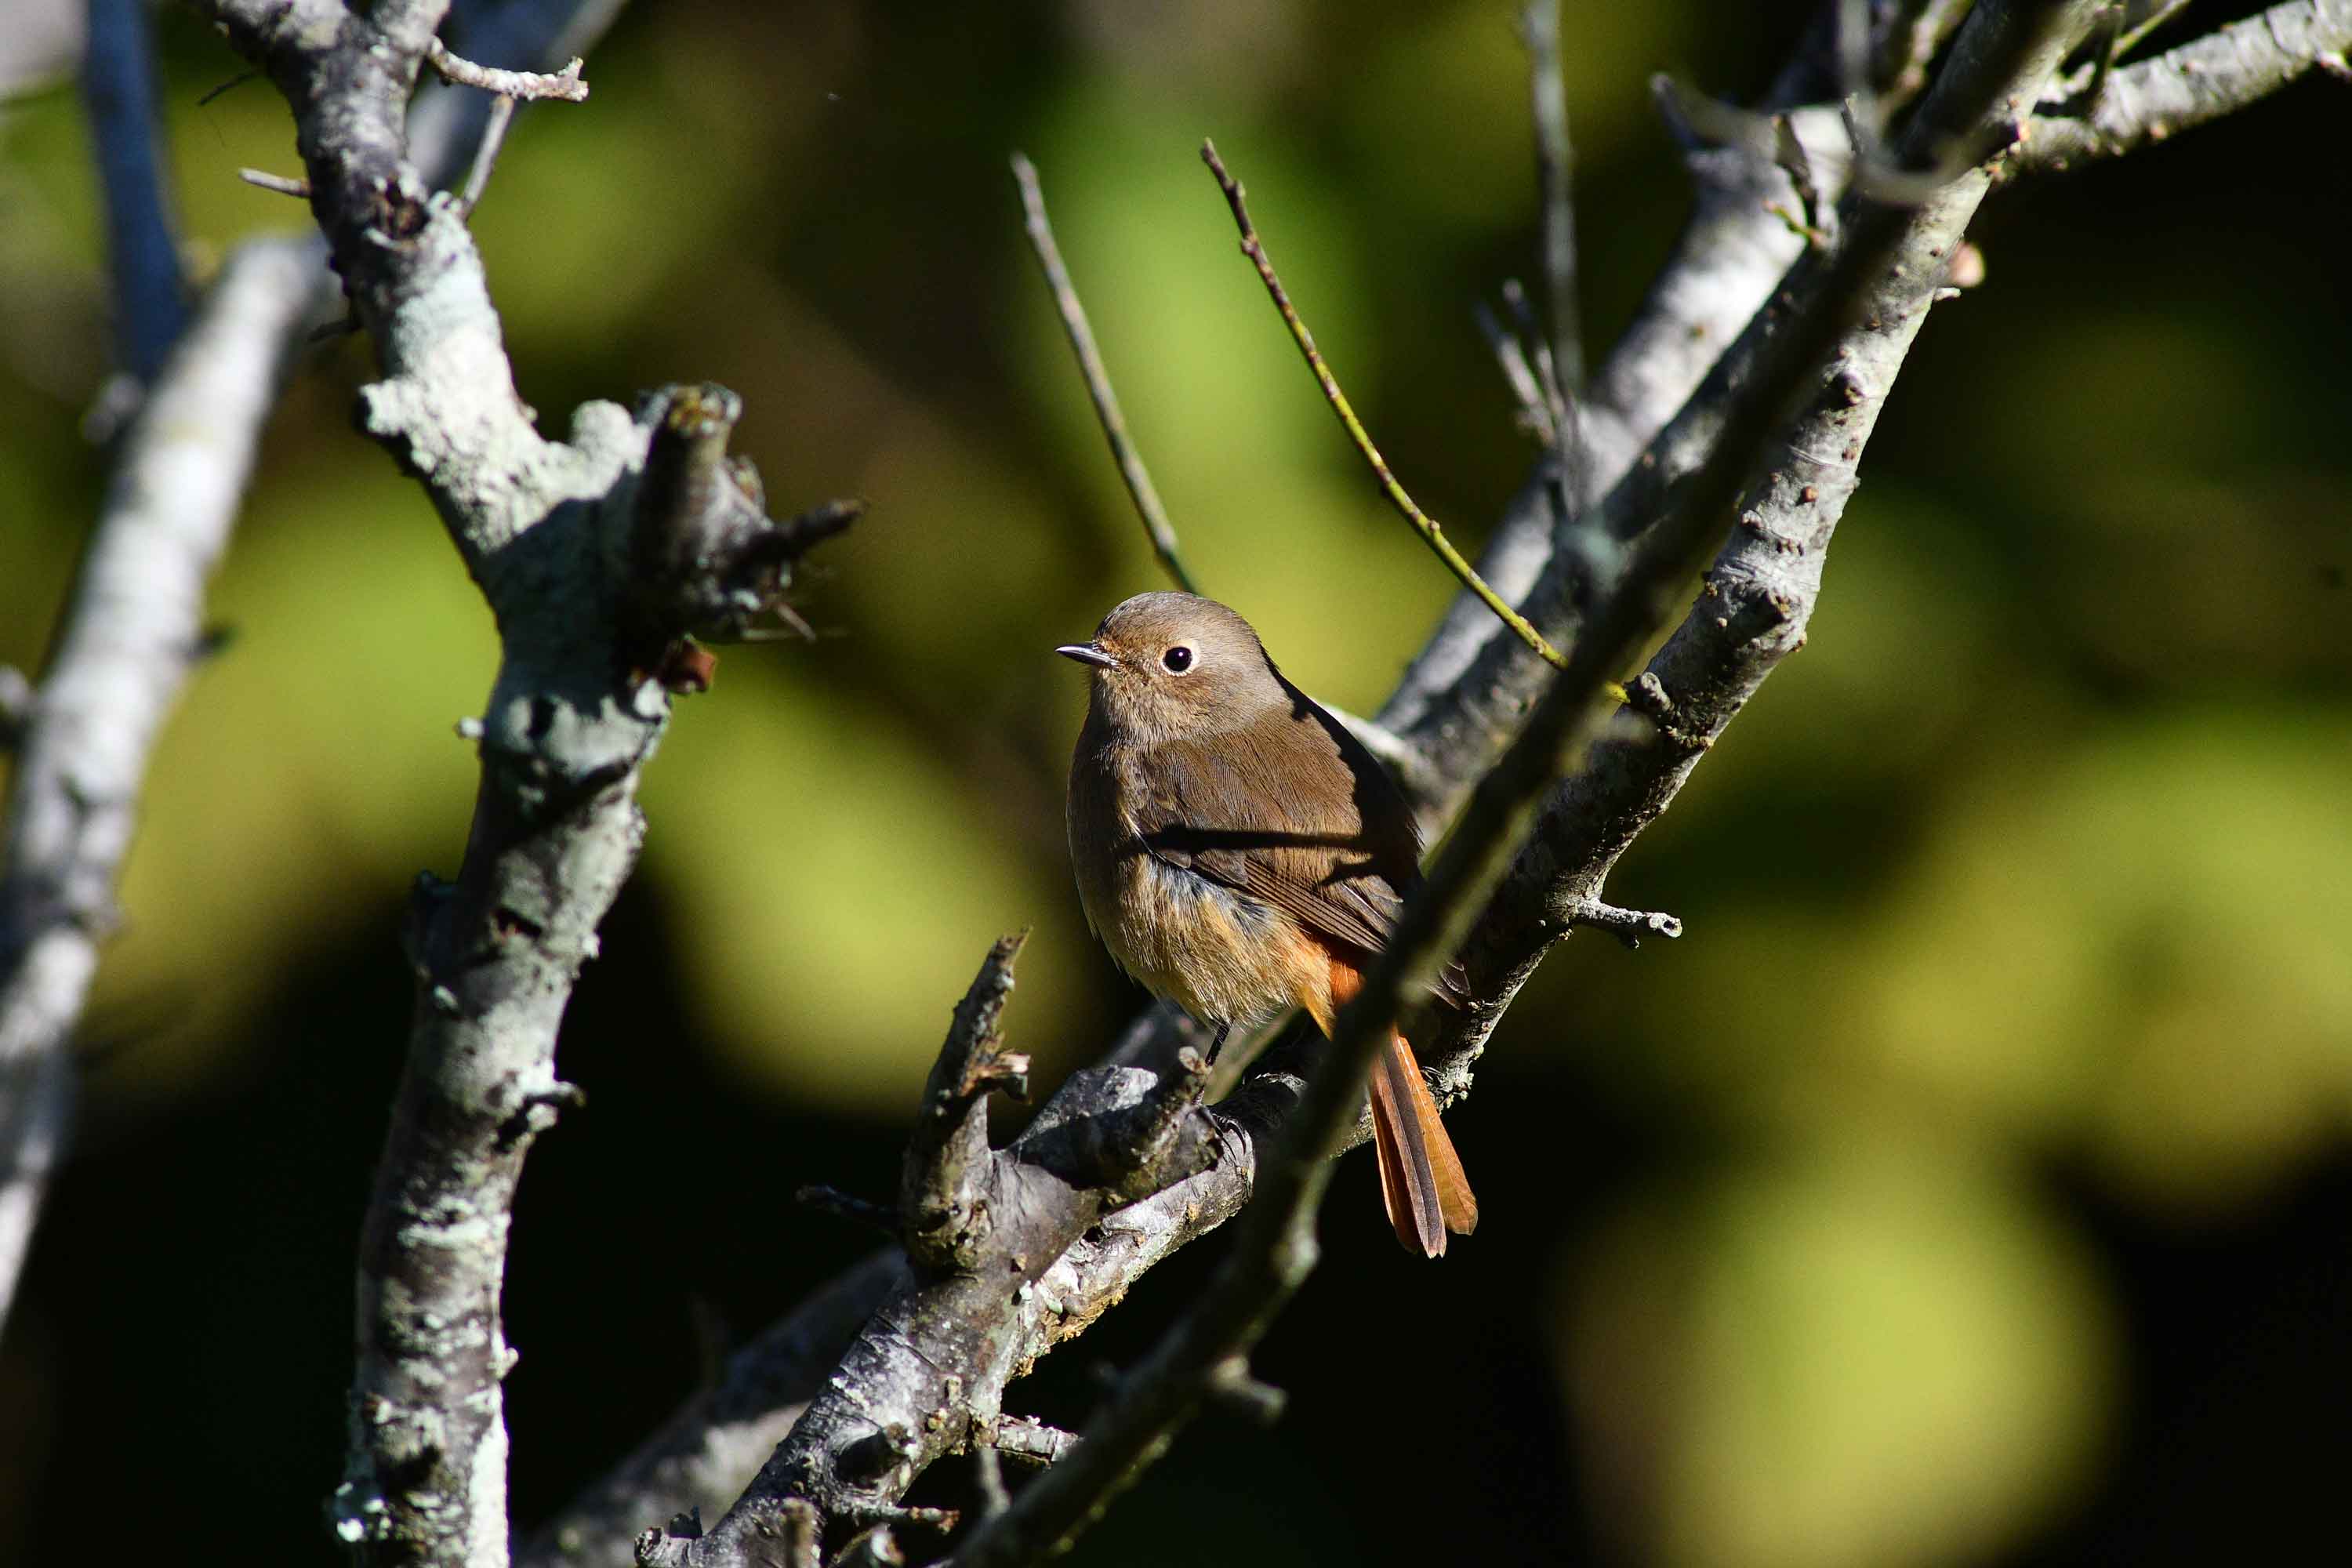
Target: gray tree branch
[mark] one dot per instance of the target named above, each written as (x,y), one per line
(2201,81)
(1730,253)
(76,788)
(698,1460)
(132,633)
(34,1090)
(599,556)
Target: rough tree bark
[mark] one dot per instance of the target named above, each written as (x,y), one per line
(132,626)
(601,557)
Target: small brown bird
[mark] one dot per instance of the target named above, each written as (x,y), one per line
(1240,853)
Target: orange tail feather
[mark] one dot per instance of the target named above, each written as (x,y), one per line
(1423,1184)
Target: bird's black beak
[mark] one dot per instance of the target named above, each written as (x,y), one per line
(1087,653)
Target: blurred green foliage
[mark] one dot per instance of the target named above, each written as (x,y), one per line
(2021,898)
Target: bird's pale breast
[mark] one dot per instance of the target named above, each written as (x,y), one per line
(1220,954)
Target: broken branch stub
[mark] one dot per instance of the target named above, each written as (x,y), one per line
(705,559)
(949,1175)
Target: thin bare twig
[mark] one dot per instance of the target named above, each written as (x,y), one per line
(1026,1437)
(1559,354)
(1512,356)
(284,184)
(1813,214)
(2155,14)
(989,1470)
(508,87)
(566,84)
(1559,401)
(1628,926)
(1423,523)
(2124,25)
(1156,526)
(486,152)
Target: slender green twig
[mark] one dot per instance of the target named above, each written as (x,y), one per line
(1156,526)
(2157,17)
(1423,523)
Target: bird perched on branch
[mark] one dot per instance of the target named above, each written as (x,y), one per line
(1240,854)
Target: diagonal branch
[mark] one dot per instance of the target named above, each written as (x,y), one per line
(1756,598)
(699,1460)
(131,635)
(924,1377)
(2201,81)
(1731,254)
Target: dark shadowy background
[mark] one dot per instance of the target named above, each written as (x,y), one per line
(1969,1185)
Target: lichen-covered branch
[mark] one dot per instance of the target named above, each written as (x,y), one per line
(944,1197)
(600,557)
(131,636)
(924,1377)
(565,84)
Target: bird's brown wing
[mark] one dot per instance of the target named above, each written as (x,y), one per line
(1293,812)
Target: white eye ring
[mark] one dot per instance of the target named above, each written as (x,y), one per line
(1177,659)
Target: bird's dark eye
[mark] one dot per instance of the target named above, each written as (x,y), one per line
(1178,659)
